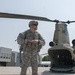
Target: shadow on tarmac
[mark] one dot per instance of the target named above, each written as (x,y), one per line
(58,73)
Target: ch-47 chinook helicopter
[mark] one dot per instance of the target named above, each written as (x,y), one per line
(62,55)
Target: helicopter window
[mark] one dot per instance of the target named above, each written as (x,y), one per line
(65,29)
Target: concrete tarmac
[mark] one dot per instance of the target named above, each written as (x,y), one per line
(41,71)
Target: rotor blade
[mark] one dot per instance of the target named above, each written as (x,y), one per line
(72,21)
(19,16)
(68,22)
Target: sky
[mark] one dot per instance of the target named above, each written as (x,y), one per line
(62,10)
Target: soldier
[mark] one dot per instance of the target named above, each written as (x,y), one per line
(31,42)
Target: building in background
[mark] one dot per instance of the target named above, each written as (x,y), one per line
(12,58)
(5,56)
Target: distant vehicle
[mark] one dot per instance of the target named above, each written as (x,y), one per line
(5,55)
(45,63)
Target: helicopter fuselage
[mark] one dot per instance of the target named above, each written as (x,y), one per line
(61,54)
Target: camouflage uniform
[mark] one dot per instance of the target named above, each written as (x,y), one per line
(30,50)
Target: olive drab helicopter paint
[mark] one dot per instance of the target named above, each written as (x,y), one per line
(61,54)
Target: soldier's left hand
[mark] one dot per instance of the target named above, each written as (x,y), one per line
(35,41)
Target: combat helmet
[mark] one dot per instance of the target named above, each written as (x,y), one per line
(33,23)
